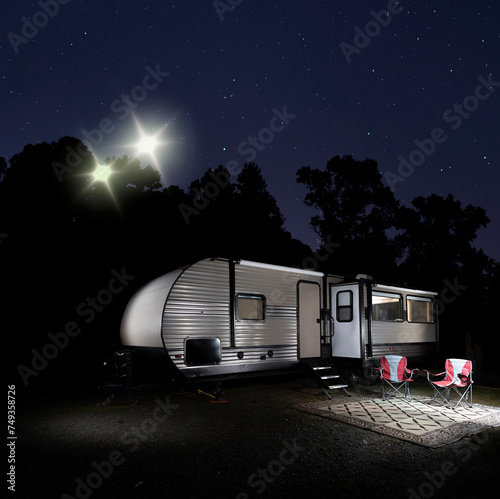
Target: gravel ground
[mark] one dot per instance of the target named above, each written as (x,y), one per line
(171,445)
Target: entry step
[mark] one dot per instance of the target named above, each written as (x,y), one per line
(327,377)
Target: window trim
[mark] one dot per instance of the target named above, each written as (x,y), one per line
(389,294)
(425,299)
(350,306)
(250,296)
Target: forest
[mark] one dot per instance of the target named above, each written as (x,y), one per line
(75,247)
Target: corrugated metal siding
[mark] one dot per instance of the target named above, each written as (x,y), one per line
(280,290)
(197,306)
(229,356)
(402,332)
(405,349)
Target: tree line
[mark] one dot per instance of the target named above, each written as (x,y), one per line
(63,233)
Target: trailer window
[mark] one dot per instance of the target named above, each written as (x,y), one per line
(387,306)
(250,307)
(344,306)
(420,309)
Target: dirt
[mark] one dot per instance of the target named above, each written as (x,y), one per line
(168,444)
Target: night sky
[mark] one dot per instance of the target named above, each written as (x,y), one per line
(414,85)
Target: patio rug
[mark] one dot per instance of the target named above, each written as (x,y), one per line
(419,422)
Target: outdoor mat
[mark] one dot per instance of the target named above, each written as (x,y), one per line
(419,422)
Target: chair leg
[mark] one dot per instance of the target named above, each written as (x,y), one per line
(395,391)
(466,396)
(444,397)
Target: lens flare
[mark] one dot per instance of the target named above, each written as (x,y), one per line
(102,173)
(147,144)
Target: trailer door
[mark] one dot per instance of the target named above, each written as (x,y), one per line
(346,340)
(309,320)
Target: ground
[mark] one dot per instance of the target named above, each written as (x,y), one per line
(171,444)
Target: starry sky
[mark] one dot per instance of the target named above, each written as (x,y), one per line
(414,85)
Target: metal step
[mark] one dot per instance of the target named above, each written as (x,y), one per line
(326,374)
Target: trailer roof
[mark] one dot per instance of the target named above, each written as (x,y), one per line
(406,290)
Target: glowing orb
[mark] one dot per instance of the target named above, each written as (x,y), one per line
(102,173)
(147,144)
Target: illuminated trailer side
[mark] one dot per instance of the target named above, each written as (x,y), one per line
(219,317)
(370,320)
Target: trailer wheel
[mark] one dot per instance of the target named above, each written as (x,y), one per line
(123,369)
(371,375)
(352,377)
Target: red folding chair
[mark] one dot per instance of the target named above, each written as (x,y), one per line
(393,372)
(458,376)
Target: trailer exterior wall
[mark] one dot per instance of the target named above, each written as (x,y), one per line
(410,339)
(279,286)
(141,322)
(198,306)
(245,316)
(203,304)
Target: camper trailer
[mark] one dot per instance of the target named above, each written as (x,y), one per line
(218,317)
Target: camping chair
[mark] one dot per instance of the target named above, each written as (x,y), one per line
(393,372)
(458,376)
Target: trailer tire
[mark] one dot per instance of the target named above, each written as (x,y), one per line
(352,377)
(370,376)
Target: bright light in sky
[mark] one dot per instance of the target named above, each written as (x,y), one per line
(102,173)
(147,144)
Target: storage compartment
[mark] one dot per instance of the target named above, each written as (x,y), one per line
(202,351)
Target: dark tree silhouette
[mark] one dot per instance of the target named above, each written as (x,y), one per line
(239,220)
(356,211)
(438,237)
(66,234)
(438,250)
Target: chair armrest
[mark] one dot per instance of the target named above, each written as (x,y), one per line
(411,373)
(466,378)
(434,375)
